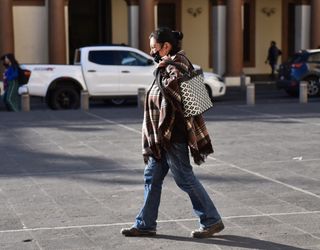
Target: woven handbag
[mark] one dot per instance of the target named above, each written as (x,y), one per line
(194,94)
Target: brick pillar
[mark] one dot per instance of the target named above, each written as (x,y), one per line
(234,38)
(57,32)
(6,27)
(6,30)
(315,21)
(146,23)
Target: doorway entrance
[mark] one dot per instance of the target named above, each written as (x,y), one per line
(169,14)
(89,24)
(288,28)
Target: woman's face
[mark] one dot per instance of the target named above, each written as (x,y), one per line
(155,47)
(7,61)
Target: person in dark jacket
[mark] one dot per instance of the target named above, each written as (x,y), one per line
(11,96)
(167,138)
(273,55)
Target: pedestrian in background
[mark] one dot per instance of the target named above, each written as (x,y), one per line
(272,58)
(167,138)
(11,83)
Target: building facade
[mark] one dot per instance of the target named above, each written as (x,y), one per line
(229,37)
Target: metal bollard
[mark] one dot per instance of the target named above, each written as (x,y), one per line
(141,97)
(25,102)
(85,100)
(243,82)
(250,94)
(303,92)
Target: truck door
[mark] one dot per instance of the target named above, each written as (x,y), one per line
(101,73)
(136,71)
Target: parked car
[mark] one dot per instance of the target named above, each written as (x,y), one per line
(303,66)
(112,72)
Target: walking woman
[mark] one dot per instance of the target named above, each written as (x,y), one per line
(167,138)
(10,77)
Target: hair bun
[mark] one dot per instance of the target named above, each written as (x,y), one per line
(178,35)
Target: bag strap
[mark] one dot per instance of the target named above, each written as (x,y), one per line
(180,68)
(188,60)
(157,80)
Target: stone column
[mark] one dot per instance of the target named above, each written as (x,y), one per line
(146,23)
(219,36)
(302,24)
(133,22)
(57,32)
(6,27)
(315,20)
(156,2)
(234,38)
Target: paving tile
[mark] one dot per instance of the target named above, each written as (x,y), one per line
(296,240)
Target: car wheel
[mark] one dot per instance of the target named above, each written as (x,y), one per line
(118,101)
(65,97)
(313,86)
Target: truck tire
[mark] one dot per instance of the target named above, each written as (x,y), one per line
(64,97)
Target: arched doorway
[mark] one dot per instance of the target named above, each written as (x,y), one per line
(89,23)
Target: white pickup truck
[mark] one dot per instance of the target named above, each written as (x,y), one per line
(112,72)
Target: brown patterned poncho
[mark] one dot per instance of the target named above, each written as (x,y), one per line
(161,106)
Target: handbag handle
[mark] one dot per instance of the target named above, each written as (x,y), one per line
(183,70)
(157,80)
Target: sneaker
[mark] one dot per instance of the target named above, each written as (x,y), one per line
(135,232)
(209,231)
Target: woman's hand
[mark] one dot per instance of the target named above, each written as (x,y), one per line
(164,60)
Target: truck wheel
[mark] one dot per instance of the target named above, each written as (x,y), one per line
(65,97)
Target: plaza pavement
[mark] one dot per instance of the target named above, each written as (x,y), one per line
(73,179)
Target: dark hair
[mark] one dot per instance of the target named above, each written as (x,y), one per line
(11,58)
(165,34)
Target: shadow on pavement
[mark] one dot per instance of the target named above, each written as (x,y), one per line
(231,241)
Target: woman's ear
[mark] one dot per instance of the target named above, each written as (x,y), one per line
(167,46)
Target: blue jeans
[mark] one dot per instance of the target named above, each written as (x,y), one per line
(177,160)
